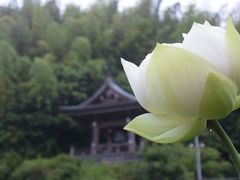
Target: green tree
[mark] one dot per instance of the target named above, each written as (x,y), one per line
(72,11)
(74,78)
(7,95)
(9,161)
(22,68)
(53,10)
(71,88)
(168,162)
(54,37)
(22,36)
(61,167)
(81,48)
(4,29)
(215,166)
(194,15)
(43,84)
(8,56)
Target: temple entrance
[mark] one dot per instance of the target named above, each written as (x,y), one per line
(108,138)
(106,113)
(112,140)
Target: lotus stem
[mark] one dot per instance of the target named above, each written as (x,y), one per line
(216,127)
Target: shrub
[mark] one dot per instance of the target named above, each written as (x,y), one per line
(61,167)
(9,161)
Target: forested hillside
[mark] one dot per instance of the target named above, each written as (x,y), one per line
(50,58)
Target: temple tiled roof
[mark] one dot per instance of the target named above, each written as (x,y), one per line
(108,98)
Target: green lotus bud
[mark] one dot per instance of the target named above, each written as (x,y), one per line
(185,84)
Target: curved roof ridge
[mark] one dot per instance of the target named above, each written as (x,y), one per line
(117,88)
(108,83)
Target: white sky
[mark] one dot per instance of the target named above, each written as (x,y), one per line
(211,5)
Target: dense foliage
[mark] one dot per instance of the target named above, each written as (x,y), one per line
(50,58)
(167,162)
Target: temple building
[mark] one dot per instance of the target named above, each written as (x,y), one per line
(105,113)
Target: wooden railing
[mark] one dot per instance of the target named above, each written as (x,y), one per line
(112,148)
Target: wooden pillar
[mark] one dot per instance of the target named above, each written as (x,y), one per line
(95,137)
(109,141)
(131,140)
(142,141)
(71,151)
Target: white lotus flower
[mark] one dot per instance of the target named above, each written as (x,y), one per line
(183,85)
